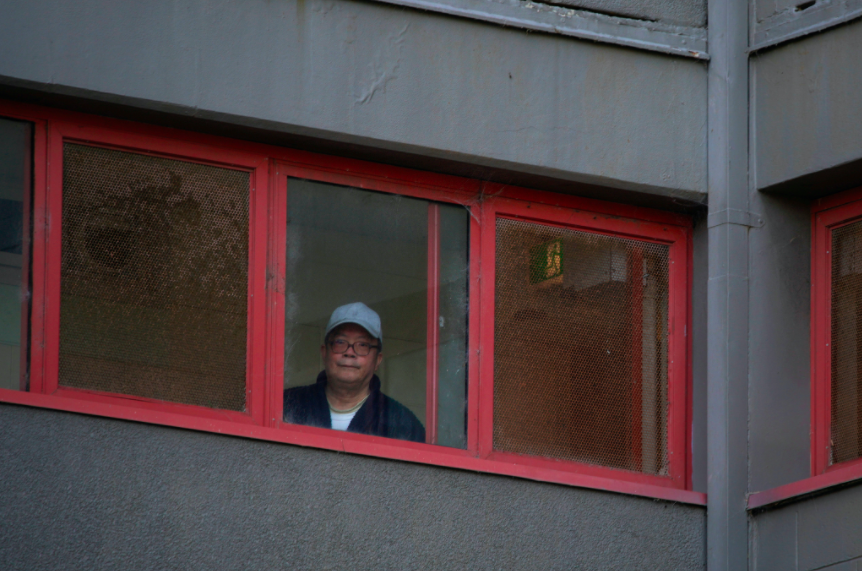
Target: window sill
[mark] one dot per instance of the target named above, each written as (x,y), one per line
(834,477)
(356,444)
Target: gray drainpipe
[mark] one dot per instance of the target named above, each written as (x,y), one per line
(727,291)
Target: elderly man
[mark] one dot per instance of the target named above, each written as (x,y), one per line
(347,393)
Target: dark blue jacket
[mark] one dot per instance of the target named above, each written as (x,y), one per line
(380,415)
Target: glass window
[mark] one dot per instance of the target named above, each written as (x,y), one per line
(15,180)
(581,346)
(846,357)
(154,278)
(406,260)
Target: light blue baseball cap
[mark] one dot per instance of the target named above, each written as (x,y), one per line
(357,313)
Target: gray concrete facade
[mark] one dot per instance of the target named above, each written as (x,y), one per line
(376,75)
(823,532)
(807,113)
(88,493)
(738,114)
(803,120)
(780,396)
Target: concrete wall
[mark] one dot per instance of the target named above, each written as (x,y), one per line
(779,420)
(700,276)
(381,76)
(822,533)
(806,116)
(89,493)
(807,113)
(774,22)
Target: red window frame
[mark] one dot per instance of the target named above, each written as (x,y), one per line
(270,167)
(677,238)
(47,256)
(827,215)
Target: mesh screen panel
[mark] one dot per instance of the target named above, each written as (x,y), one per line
(580,347)
(846,342)
(154,278)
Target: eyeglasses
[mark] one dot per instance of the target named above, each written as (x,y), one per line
(361,348)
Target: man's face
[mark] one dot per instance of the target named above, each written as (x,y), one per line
(349,369)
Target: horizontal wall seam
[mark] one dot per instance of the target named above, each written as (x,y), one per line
(652,36)
(779,30)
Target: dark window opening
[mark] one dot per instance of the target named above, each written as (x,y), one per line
(15,180)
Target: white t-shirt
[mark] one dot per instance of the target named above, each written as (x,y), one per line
(340,421)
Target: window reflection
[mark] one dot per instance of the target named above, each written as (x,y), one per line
(15,172)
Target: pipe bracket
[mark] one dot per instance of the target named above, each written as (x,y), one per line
(734,216)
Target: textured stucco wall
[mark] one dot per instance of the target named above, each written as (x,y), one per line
(700,276)
(807,111)
(382,76)
(823,533)
(88,493)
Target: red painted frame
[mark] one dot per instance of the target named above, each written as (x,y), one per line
(47,231)
(678,238)
(433,327)
(270,167)
(275,303)
(841,210)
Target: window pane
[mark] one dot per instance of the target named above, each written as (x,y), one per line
(845,343)
(580,347)
(15,174)
(346,245)
(154,278)
(452,328)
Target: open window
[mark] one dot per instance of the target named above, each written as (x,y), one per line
(405,257)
